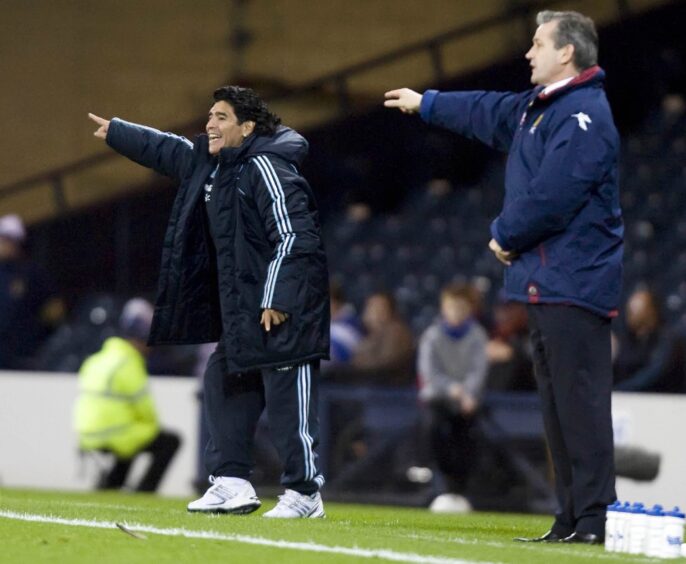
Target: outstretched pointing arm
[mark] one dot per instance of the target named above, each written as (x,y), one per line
(165,153)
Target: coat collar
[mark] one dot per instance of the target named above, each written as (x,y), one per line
(591,75)
(286,143)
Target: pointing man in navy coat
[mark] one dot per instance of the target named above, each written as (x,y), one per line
(560,235)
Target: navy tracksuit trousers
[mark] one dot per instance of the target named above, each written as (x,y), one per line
(233,404)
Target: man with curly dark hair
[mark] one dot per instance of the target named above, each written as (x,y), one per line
(243,264)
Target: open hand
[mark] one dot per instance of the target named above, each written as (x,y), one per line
(104,124)
(272,317)
(406,100)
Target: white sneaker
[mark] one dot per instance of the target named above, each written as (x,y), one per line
(293,505)
(450,503)
(227,495)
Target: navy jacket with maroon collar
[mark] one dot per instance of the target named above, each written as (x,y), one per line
(561,212)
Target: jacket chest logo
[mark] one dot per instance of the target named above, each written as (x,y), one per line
(583,119)
(210,183)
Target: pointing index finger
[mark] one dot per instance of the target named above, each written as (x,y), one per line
(97,119)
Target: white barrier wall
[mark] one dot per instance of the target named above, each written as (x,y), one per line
(38,448)
(654,422)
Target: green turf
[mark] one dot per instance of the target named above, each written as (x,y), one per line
(478,537)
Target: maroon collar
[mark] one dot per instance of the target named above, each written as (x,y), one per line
(583,77)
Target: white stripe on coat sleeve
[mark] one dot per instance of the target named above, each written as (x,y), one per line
(283,225)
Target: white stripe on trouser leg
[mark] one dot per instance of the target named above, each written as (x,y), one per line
(304,409)
(310,450)
(301,418)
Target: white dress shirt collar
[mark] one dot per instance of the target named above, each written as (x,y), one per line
(555,85)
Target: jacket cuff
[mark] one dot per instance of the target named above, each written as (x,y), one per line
(427,104)
(283,308)
(495,233)
(111,130)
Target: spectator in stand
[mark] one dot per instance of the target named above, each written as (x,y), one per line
(30,306)
(509,350)
(386,355)
(115,411)
(346,330)
(452,374)
(650,355)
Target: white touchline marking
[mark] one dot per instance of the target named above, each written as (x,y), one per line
(212,535)
(118,507)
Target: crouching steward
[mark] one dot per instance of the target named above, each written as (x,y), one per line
(115,412)
(243,264)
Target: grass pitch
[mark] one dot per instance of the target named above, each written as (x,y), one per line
(59,527)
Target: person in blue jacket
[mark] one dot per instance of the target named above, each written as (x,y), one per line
(560,235)
(243,264)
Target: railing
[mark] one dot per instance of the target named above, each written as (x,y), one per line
(338,81)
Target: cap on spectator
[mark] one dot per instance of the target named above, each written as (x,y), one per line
(12,228)
(136,319)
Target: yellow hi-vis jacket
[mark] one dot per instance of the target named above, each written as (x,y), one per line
(114,410)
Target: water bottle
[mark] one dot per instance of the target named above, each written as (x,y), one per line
(622,527)
(637,529)
(673,533)
(655,534)
(611,525)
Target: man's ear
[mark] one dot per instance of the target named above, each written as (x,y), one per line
(248,127)
(567,54)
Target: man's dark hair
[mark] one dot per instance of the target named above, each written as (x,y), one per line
(248,106)
(574,29)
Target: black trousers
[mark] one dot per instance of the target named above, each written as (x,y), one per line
(451,442)
(573,369)
(163,448)
(233,405)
